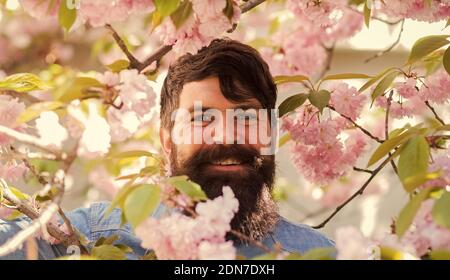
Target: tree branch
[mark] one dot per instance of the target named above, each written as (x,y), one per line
(32,141)
(434,112)
(377,55)
(357,193)
(365,131)
(386,128)
(159,54)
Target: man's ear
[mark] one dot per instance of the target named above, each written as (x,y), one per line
(166,141)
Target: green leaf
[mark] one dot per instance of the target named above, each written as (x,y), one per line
(76,88)
(166,7)
(388,253)
(23,82)
(319,99)
(447,24)
(413,158)
(118,65)
(156,19)
(36,109)
(292,103)
(141,202)
(367,12)
(441,210)
(408,213)
(66,16)
(181,14)
(375,79)
(388,145)
(446,60)
(108,252)
(119,199)
(440,255)
(278,80)
(344,76)
(191,189)
(384,84)
(319,254)
(425,46)
(284,139)
(412,182)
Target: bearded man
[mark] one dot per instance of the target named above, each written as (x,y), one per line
(222,89)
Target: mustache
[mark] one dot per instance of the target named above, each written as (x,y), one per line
(241,153)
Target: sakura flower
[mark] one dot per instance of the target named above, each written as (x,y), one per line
(436,87)
(50,130)
(96,138)
(12,171)
(347,100)
(352,245)
(214,251)
(203,237)
(10,110)
(41,8)
(100,12)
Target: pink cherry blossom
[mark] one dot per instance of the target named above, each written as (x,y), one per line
(216,251)
(347,100)
(100,12)
(436,87)
(181,237)
(352,245)
(317,151)
(422,10)
(425,234)
(203,25)
(12,171)
(96,138)
(41,8)
(10,110)
(50,130)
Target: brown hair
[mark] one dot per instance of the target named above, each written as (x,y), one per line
(242,73)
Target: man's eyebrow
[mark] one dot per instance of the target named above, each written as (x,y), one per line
(244,106)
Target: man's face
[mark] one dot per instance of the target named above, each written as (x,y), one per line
(224,163)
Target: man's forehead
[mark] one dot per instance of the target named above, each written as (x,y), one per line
(208,92)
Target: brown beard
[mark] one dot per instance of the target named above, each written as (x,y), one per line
(258,213)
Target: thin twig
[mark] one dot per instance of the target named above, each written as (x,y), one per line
(377,18)
(360,191)
(159,54)
(362,170)
(434,112)
(327,66)
(31,141)
(381,53)
(365,131)
(134,62)
(386,128)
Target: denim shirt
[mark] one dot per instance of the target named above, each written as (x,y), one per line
(93,224)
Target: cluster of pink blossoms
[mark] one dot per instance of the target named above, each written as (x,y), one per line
(207,21)
(318,151)
(136,98)
(203,237)
(316,24)
(422,10)
(410,95)
(10,109)
(95,12)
